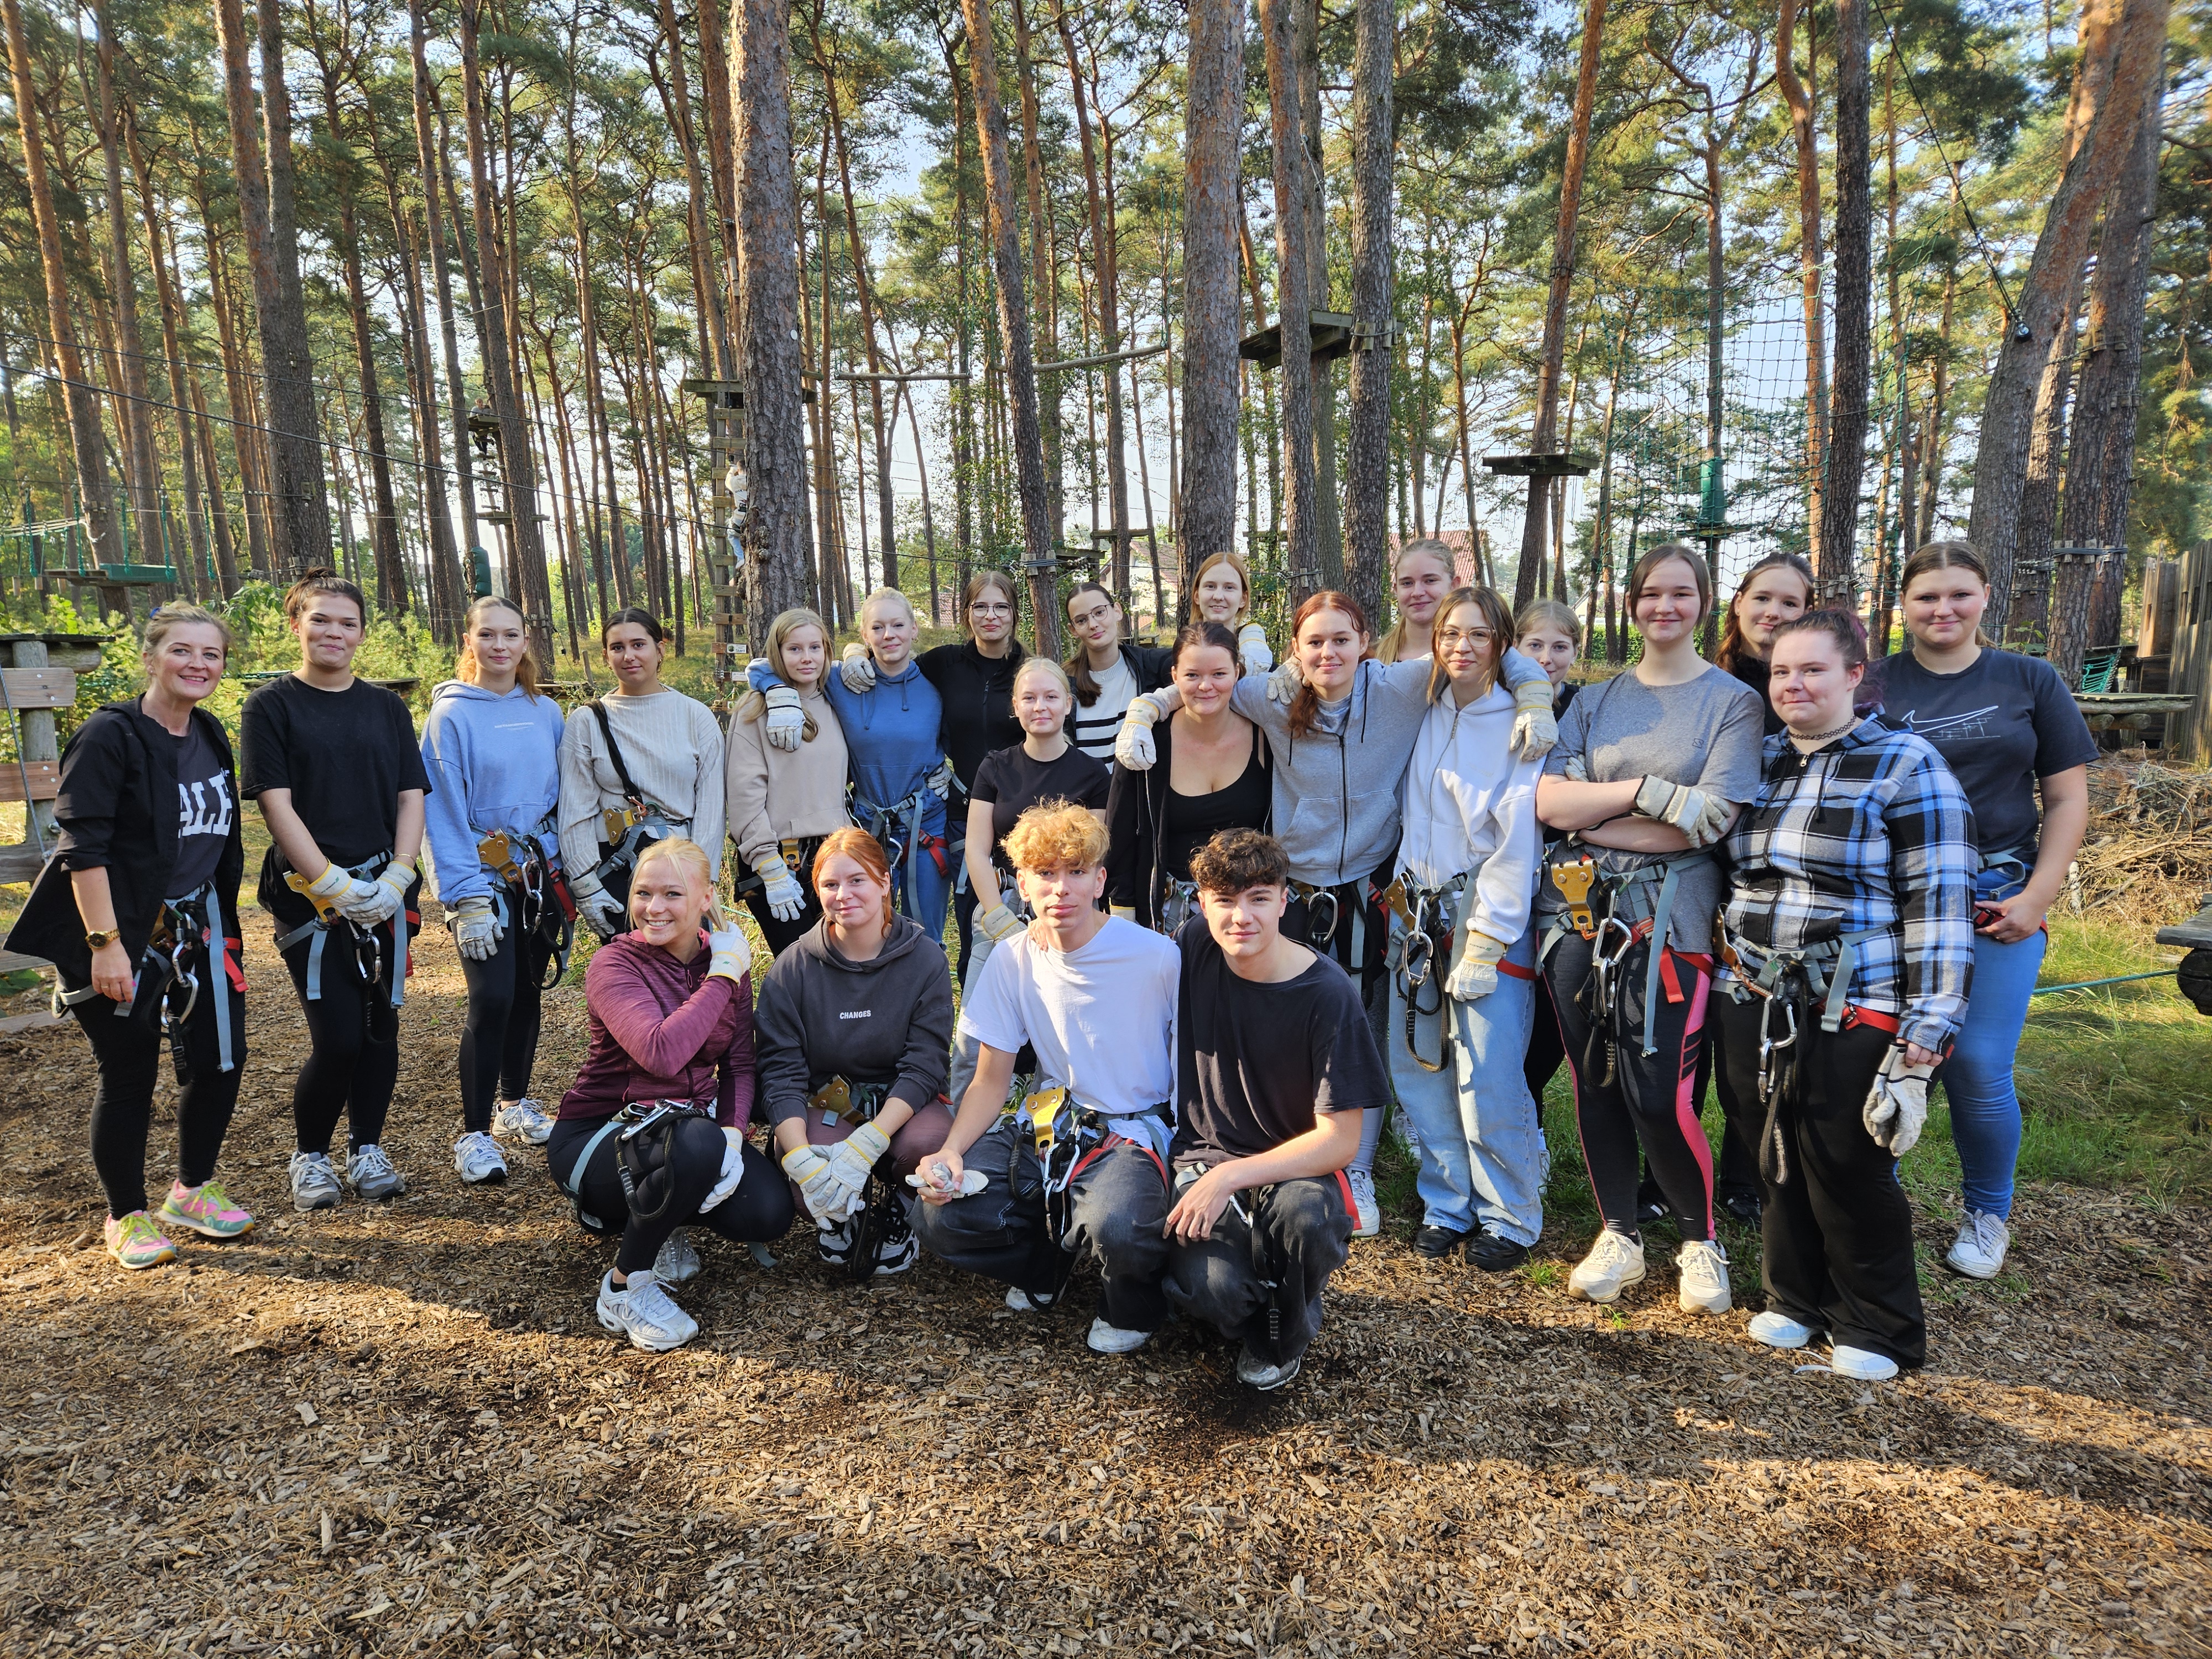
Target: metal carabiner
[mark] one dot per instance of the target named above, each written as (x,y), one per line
(1316,935)
(1768,1046)
(1606,965)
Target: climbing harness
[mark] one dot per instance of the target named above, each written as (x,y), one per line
(1615,912)
(1178,904)
(627,830)
(188,935)
(898,830)
(362,946)
(533,895)
(840,1099)
(1429,918)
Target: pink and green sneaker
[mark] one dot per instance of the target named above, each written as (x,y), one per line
(206,1209)
(136,1241)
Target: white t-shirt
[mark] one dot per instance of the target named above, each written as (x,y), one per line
(1102,1020)
(1093,730)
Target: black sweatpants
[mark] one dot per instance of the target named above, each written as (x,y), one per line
(499,1036)
(1260,1283)
(1837,1233)
(128,1051)
(353,1036)
(759,1210)
(1649,1102)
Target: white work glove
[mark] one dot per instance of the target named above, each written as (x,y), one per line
(1535,730)
(1701,818)
(387,893)
(972,1182)
(1897,1106)
(343,889)
(785,721)
(998,923)
(1133,746)
(728,955)
(858,669)
(1576,770)
(1475,974)
(818,1188)
(477,929)
(1252,653)
(1286,683)
(854,1157)
(733,1168)
(786,899)
(601,911)
(940,781)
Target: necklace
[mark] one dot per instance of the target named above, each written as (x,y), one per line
(1823,736)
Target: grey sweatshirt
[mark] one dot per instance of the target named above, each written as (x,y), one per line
(821,1015)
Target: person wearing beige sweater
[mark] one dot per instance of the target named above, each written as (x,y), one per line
(786,780)
(671,745)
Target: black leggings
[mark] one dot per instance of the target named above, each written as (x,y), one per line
(1542,1063)
(353,1033)
(760,1209)
(782,935)
(498,1038)
(129,1053)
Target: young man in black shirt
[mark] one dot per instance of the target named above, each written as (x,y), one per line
(1274,1064)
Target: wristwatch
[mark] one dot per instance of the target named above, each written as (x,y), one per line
(100,940)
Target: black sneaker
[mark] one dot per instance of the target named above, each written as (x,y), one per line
(1494,1255)
(896,1247)
(1650,1205)
(1436,1242)
(1747,1210)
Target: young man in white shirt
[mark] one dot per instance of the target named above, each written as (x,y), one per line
(1275,1063)
(1095,997)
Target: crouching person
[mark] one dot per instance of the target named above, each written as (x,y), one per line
(652,1136)
(1274,1064)
(1080,1169)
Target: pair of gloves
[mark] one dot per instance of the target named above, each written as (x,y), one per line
(833,1183)
(1535,730)
(365,903)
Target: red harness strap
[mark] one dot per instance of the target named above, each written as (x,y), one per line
(1855,1015)
(1514,971)
(1673,980)
(1108,1146)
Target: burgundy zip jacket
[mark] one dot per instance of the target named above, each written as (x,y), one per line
(662,1031)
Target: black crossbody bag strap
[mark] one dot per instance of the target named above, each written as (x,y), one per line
(615,753)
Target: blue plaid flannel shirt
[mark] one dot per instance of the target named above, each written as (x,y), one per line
(1872,832)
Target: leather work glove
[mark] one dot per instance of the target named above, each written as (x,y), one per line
(785,721)
(1576,770)
(1701,818)
(852,1158)
(601,911)
(1535,730)
(1475,974)
(477,929)
(388,891)
(733,1168)
(1284,685)
(342,889)
(972,1183)
(1252,653)
(1897,1106)
(940,781)
(1134,746)
(857,669)
(818,1187)
(998,923)
(729,955)
(786,899)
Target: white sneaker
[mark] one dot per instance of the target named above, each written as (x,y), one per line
(1254,1372)
(1705,1266)
(1861,1364)
(642,1311)
(1022,1301)
(314,1183)
(1112,1339)
(1778,1330)
(1614,1262)
(479,1159)
(1980,1251)
(677,1262)
(524,1120)
(371,1174)
(1369,1213)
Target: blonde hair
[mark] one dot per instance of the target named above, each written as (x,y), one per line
(1056,834)
(787,622)
(170,617)
(1394,637)
(466,667)
(881,596)
(1034,663)
(692,858)
(1548,613)
(1244,576)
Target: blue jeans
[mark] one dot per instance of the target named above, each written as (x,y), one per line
(1977,1079)
(1482,1143)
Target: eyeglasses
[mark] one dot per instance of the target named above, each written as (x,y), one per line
(981,610)
(1449,637)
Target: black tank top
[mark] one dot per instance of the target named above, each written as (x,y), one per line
(1193,820)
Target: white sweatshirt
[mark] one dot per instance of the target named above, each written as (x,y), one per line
(1470,807)
(672,745)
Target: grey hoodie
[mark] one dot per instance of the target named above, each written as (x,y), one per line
(821,1015)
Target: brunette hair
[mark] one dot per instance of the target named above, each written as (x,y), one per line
(1393,638)
(692,858)
(176,615)
(1236,860)
(1501,635)
(1056,834)
(466,667)
(1081,685)
(1554,613)
(1732,641)
(1640,572)
(322,579)
(644,619)
(1948,556)
(1244,576)
(978,584)
(787,622)
(1306,704)
(1204,636)
(864,849)
(1847,632)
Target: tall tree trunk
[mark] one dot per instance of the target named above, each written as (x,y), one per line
(1211,221)
(246,444)
(1800,98)
(443,583)
(1889,559)
(1534,528)
(1845,464)
(167,301)
(1328,527)
(1367,445)
(722,170)
(137,413)
(1293,305)
(705,277)
(430,154)
(1044,272)
(922,476)
(1028,442)
(1939,386)
(1104,257)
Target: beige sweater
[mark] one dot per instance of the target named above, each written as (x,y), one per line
(774,794)
(672,745)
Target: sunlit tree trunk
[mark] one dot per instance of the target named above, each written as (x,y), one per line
(1367,443)
(1211,219)
(136,411)
(1800,99)
(1844,465)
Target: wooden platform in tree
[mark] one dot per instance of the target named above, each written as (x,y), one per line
(1332,338)
(1563,463)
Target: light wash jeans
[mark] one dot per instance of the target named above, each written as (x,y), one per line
(1481,1140)
(1977,1078)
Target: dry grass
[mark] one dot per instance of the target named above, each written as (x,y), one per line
(2148,856)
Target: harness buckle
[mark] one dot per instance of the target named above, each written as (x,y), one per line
(497,852)
(1574,880)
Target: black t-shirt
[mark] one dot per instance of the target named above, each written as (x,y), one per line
(345,755)
(1254,1062)
(204,811)
(1010,781)
(1756,673)
(2001,723)
(1191,821)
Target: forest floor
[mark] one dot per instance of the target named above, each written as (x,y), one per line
(399,1428)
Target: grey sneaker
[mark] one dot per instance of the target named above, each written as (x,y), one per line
(524,1120)
(1369,1213)
(1980,1251)
(642,1311)
(478,1156)
(1254,1372)
(314,1183)
(370,1173)
(677,1262)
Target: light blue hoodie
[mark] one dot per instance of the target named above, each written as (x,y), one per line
(495,764)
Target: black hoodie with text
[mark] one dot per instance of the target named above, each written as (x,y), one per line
(888,1020)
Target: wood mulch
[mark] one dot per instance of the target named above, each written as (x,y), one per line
(400,1430)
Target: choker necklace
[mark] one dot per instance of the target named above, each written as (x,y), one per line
(1823,736)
